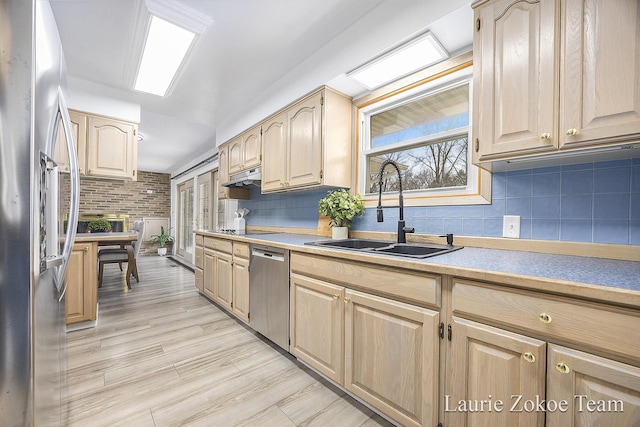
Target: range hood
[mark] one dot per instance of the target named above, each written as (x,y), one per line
(245,178)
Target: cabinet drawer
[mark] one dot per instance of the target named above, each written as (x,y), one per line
(220,245)
(199,240)
(241,250)
(199,254)
(415,287)
(591,325)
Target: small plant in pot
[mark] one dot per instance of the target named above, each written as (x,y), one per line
(341,207)
(99,226)
(162,239)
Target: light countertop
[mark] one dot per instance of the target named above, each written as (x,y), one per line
(593,278)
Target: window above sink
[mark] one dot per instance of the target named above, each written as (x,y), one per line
(425,128)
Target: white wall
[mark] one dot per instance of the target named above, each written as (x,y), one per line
(384,27)
(99,99)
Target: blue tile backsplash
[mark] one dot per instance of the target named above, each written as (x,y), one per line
(590,202)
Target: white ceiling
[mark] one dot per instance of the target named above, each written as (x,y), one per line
(257,56)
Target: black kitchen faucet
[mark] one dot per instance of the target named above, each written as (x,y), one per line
(402,230)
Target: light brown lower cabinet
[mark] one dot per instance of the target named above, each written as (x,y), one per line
(500,378)
(390,354)
(509,358)
(489,367)
(317,325)
(199,272)
(391,357)
(209,273)
(82,284)
(241,287)
(224,280)
(217,270)
(222,273)
(497,377)
(597,391)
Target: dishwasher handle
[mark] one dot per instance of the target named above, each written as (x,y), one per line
(268,253)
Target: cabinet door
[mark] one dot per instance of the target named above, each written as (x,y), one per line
(199,256)
(111,148)
(241,289)
(274,153)
(236,157)
(317,325)
(199,273)
(223,176)
(252,149)
(598,391)
(305,142)
(82,287)
(515,78)
(392,357)
(79,126)
(493,364)
(223,171)
(600,77)
(209,273)
(224,288)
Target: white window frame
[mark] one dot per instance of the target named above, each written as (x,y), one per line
(478,188)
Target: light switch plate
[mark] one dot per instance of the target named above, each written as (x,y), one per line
(511,226)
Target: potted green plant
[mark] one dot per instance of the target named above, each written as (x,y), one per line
(341,207)
(100,225)
(162,239)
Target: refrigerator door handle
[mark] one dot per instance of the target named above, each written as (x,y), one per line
(53,261)
(74,202)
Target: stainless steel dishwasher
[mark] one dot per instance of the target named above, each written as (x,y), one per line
(269,293)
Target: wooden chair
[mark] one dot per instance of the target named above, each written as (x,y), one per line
(121,255)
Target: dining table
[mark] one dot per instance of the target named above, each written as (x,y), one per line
(124,239)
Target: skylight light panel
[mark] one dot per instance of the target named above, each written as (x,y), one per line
(164,51)
(405,59)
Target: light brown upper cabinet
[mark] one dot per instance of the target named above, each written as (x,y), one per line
(79,126)
(600,72)
(106,147)
(245,152)
(308,144)
(223,176)
(112,149)
(543,84)
(274,141)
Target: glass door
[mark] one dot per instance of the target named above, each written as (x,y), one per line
(205,202)
(185,220)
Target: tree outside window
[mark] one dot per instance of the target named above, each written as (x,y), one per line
(424,127)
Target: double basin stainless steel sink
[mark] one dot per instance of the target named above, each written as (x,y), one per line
(383,247)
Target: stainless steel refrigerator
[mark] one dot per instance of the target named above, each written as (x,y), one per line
(34,250)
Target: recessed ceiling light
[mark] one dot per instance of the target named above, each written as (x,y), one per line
(166,31)
(166,46)
(411,56)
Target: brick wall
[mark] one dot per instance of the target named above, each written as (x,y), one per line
(129,197)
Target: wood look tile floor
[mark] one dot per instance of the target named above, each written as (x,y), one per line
(163,355)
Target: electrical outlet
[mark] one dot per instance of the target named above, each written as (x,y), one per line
(511,226)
